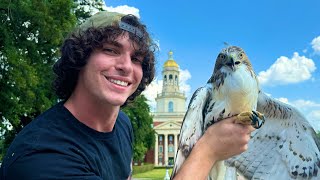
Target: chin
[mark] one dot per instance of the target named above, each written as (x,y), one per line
(118,102)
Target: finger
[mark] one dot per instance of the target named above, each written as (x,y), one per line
(231,119)
(247,129)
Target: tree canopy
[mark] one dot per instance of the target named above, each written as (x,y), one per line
(31,34)
(139,114)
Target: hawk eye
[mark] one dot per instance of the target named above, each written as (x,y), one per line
(222,56)
(240,55)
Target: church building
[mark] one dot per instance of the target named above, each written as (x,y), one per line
(169,113)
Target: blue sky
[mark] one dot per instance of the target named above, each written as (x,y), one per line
(281,38)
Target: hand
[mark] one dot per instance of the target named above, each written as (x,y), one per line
(225,139)
(222,140)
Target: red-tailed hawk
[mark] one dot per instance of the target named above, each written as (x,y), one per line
(285,147)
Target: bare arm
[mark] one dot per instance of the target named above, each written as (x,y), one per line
(221,141)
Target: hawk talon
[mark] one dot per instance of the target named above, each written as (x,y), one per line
(253,118)
(257,119)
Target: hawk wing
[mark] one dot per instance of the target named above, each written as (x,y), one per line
(285,147)
(192,125)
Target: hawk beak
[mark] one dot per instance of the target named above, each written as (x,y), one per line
(231,64)
(232,67)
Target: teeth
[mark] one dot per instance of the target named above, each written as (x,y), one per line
(118,82)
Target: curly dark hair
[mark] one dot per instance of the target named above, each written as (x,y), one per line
(78,47)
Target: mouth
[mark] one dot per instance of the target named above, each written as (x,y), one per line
(118,82)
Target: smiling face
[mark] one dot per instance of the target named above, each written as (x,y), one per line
(112,73)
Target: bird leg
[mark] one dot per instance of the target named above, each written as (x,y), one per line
(253,118)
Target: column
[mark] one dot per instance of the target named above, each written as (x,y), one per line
(156,155)
(165,149)
(175,144)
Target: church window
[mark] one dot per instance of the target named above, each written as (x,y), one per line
(170,106)
(170,77)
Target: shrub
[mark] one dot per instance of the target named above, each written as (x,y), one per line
(142,168)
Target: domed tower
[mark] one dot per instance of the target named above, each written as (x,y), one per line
(170,99)
(170,75)
(168,117)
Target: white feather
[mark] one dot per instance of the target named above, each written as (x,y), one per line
(281,147)
(285,147)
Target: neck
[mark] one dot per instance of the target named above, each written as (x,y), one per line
(94,114)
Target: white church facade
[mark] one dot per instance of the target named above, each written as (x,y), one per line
(168,116)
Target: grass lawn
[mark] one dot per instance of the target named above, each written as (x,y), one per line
(155,174)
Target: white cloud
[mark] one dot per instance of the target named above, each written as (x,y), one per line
(303,104)
(287,71)
(151,93)
(305,50)
(314,118)
(310,109)
(124,9)
(285,100)
(316,44)
(184,86)
(156,87)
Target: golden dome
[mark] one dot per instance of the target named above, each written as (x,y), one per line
(170,62)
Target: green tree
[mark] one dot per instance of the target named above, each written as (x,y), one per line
(139,114)
(86,8)
(31,34)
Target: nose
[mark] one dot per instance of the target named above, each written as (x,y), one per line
(124,64)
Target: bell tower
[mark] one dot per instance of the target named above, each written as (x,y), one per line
(170,75)
(168,117)
(170,99)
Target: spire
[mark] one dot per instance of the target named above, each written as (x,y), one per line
(170,62)
(170,55)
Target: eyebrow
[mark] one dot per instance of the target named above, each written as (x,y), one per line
(114,43)
(137,52)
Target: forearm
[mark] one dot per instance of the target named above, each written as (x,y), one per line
(221,141)
(198,164)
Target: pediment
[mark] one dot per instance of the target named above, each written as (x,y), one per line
(168,125)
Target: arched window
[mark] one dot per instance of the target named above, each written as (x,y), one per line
(170,106)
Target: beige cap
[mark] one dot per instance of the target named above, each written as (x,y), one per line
(106,18)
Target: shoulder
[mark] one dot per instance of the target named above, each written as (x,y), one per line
(42,134)
(40,126)
(123,124)
(124,120)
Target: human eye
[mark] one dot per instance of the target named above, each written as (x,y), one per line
(137,59)
(110,50)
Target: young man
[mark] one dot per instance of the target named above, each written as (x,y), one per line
(105,64)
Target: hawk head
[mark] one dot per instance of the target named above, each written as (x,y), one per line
(229,60)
